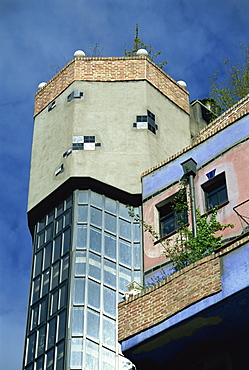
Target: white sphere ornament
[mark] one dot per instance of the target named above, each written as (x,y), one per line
(79,53)
(142,52)
(41,85)
(182,84)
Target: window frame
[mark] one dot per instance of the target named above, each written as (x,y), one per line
(178,221)
(215,186)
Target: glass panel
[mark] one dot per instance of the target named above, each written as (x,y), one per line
(64,268)
(110,273)
(43,311)
(54,302)
(55,275)
(41,224)
(66,241)
(125,229)
(110,205)
(45,282)
(76,353)
(59,210)
(82,213)
(63,296)
(69,202)
(47,257)
(39,363)
(80,263)
(223,195)
(96,216)
(49,233)
(50,360)
(41,239)
(110,246)
(109,301)
(78,321)
(94,266)
(109,332)
(137,256)
(60,356)
(62,325)
(124,211)
(41,340)
(94,294)
(68,218)
(79,290)
(50,216)
(57,248)
(51,333)
(30,367)
(137,277)
(125,253)
(95,240)
(137,232)
(124,278)
(59,224)
(96,200)
(38,263)
(83,197)
(110,223)
(31,348)
(93,324)
(36,289)
(92,354)
(34,317)
(108,359)
(81,237)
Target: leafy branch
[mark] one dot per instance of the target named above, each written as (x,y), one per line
(184,249)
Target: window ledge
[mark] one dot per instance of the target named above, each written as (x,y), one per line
(169,235)
(219,206)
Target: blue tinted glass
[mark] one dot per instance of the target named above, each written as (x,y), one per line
(96,216)
(93,324)
(110,246)
(81,236)
(95,240)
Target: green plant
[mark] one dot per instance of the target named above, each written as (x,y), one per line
(184,249)
(225,92)
(139,44)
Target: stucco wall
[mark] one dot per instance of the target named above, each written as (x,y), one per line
(225,150)
(107,111)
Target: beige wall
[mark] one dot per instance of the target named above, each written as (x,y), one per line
(107,111)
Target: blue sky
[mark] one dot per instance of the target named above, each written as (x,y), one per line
(37,35)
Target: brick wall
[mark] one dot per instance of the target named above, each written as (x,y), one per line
(166,298)
(180,290)
(111,69)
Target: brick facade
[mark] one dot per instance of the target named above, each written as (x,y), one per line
(111,70)
(180,290)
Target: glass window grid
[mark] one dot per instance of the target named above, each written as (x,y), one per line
(40,313)
(95,201)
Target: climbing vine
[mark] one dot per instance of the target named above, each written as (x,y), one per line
(184,249)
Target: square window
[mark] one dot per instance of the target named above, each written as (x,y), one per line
(170,219)
(215,191)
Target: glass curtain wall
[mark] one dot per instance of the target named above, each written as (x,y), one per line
(107,256)
(84,256)
(47,315)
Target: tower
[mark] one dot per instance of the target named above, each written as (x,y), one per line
(99,123)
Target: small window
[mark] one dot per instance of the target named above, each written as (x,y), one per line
(146,122)
(77,94)
(52,106)
(215,191)
(170,219)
